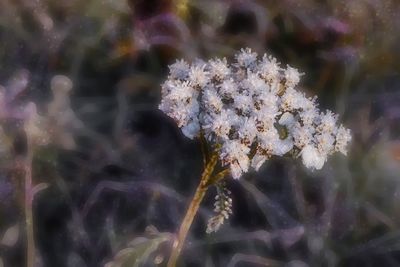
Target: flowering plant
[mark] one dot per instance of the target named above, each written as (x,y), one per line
(21,123)
(245,113)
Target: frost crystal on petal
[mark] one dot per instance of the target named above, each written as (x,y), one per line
(343,137)
(246,58)
(219,69)
(235,154)
(292,76)
(312,159)
(269,68)
(179,70)
(198,76)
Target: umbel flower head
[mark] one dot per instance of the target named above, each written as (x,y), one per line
(251,110)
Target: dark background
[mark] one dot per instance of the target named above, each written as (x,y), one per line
(131,173)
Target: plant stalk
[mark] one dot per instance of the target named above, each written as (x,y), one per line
(30,254)
(192,211)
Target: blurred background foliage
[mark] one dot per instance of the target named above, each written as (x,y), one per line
(120,187)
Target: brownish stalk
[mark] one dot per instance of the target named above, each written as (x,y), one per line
(203,146)
(192,210)
(30,256)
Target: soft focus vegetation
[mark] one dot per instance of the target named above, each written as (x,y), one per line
(80,88)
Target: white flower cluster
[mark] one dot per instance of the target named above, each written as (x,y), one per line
(252,111)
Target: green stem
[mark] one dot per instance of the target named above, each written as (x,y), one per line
(192,211)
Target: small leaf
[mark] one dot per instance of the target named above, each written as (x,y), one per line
(10,237)
(139,250)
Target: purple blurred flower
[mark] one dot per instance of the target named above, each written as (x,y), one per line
(9,96)
(164,29)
